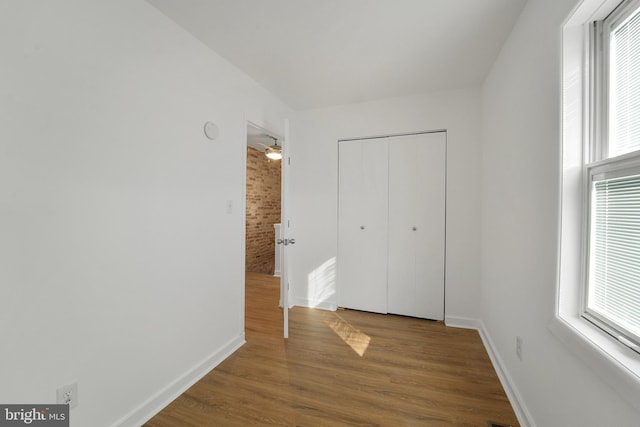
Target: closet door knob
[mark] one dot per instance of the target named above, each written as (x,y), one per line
(414,228)
(362,227)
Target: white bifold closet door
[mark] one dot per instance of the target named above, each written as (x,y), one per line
(391,225)
(362,224)
(417,225)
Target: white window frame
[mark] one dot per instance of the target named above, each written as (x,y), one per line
(599,161)
(614,362)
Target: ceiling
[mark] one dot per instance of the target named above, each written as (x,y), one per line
(318,53)
(259,138)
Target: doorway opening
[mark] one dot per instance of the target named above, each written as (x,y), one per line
(263,207)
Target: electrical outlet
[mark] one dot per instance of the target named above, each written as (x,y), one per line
(519,347)
(68,395)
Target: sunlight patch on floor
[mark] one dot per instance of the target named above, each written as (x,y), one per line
(356,339)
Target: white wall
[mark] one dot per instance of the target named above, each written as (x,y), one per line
(520,194)
(314,188)
(119,267)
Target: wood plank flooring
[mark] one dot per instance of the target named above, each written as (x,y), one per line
(343,368)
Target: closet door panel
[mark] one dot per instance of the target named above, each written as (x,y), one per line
(402,238)
(362,225)
(417,225)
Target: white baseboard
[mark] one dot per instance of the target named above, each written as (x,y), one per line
(322,305)
(462,322)
(157,402)
(523,414)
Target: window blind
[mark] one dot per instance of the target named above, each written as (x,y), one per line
(624,89)
(614,279)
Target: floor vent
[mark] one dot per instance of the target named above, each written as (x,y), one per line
(495,424)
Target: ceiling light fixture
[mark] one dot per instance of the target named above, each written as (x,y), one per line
(273,152)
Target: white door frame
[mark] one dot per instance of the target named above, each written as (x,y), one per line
(284,297)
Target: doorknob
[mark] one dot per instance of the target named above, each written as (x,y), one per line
(286,241)
(362,227)
(414,228)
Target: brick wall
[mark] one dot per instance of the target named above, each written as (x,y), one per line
(263,210)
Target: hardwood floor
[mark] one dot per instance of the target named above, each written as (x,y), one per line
(343,368)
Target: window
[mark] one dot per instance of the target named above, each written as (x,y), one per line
(596,309)
(612,279)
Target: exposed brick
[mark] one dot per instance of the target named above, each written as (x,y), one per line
(263,210)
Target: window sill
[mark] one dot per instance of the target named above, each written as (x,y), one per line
(616,364)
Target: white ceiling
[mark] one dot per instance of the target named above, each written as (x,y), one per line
(259,138)
(317,53)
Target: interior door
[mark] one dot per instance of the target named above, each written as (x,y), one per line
(362,224)
(286,240)
(417,170)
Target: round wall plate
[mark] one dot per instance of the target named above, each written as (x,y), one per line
(211,130)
